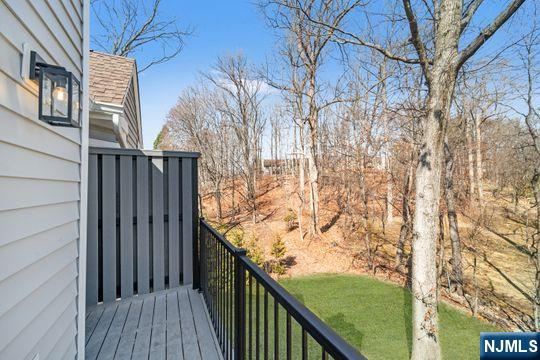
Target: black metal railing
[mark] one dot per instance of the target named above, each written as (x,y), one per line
(253,316)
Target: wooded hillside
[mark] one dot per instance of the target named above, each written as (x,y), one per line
(408,149)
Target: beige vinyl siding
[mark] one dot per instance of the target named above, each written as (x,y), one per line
(40,168)
(130,112)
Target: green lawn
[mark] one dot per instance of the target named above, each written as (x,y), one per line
(375,316)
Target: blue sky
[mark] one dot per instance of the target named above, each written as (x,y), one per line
(222,27)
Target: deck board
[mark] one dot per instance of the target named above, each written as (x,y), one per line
(190,342)
(127,338)
(92,319)
(169,324)
(144,331)
(174,333)
(204,331)
(159,329)
(108,348)
(98,336)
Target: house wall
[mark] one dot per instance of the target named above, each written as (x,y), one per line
(40,186)
(130,113)
(102,132)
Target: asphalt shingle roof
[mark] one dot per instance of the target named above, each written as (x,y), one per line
(110,76)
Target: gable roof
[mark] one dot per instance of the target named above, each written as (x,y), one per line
(110,77)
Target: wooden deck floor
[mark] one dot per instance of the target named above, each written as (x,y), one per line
(171,324)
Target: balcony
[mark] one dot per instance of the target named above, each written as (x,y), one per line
(163,284)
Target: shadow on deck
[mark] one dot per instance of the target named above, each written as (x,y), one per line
(170,324)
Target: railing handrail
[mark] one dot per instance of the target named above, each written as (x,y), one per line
(332,342)
(228,245)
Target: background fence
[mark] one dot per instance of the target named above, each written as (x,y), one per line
(142,222)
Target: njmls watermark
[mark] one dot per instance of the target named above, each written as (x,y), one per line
(509,345)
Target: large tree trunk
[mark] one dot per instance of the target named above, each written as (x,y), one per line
(428,186)
(457,272)
(536,247)
(426,229)
(441,83)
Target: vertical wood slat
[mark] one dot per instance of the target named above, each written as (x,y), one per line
(174,213)
(92,280)
(126,227)
(109,227)
(187,221)
(158,244)
(113,263)
(143,233)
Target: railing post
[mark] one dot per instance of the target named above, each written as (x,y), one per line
(202,257)
(196,225)
(239,305)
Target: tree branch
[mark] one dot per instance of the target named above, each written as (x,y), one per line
(350,38)
(488,31)
(469,13)
(416,40)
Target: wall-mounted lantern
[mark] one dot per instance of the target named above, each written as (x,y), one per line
(59,93)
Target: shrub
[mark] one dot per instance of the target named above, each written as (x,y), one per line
(291,220)
(254,252)
(239,238)
(278,252)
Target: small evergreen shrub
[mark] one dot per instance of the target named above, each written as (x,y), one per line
(239,238)
(278,252)
(291,220)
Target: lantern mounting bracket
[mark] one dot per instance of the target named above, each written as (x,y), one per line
(36,63)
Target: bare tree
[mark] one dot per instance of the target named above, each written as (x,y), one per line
(438,54)
(311,42)
(129,26)
(241,101)
(529,54)
(292,83)
(195,123)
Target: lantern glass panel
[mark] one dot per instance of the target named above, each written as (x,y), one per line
(46,96)
(55,97)
(75,102)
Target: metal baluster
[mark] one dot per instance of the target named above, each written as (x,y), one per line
(276,330)
(231,304)
(250,317)
(257,309)
(239,305)
(289,336)
(265,324)
(304,345)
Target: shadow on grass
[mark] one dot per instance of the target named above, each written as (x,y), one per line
(338,321)
(346,329)
(407,317)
